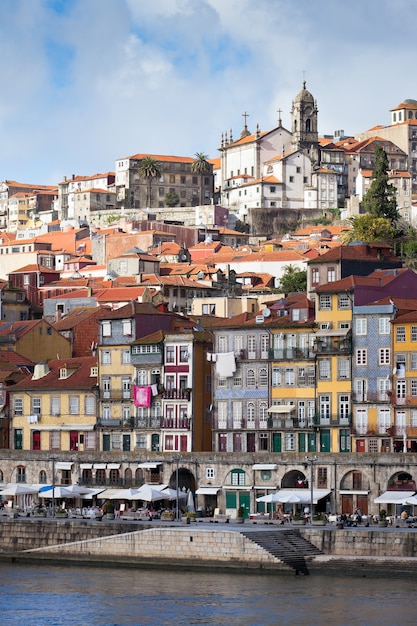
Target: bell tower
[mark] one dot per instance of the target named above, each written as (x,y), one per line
(304,114)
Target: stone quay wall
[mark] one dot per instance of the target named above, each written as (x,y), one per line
(360,543)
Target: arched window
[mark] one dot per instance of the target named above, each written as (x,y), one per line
(114,477)
(250,414)
(238,477)
(128,476)
(1,477)
(42,477)
(139,476)
(21,474)
(308,125)
(263,377)
(250,378)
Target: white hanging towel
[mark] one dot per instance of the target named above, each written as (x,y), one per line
(225,364)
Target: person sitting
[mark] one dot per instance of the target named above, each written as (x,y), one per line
(404,514)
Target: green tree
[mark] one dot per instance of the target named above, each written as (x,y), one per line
(380,199)
(149,169)
(293,279)
(200,166)
(172,199)
(368,228)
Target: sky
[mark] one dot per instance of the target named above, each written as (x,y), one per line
(86,82)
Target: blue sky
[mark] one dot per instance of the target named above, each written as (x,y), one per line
(85,82)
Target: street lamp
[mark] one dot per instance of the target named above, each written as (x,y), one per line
(53,459)
(311,460)
(177,504)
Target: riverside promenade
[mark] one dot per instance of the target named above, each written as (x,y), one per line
(252,547)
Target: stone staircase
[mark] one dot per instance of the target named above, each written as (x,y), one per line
(288,546)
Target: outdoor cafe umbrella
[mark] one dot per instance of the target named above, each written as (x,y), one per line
(190,502)
(270,497)
(171,494)
(58,492)
(18,490)
(125,494)
(147,494)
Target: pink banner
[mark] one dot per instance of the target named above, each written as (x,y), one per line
(142,396)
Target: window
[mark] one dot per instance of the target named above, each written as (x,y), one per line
(384,419)
(127,328)
(106,327)
(384,356)
(344,407)
(183,354)
(18,405)
(210,473)
(125,357)
(20,474)
(361,420)
(263,377)
(331,274)
(276,377)
(106,357)
(315,276)
(361,356)
(384,385)
(55,440)
(290,442)
(414,333)
(344,301)
(324,407)
(324,369)
(291,179)
(289,376)
(384,326)
(208,309)
(263,442)
(325,302)
(322,477)
(55,406)
(413,360)
(361,326)
(401,389)
(36,406)
(413,387)
(250,414)
(74,405)
(237,378)
(400,334)
(170,354)
(222,342)
(89,405)
(250,378)
(238,477)
(343,370)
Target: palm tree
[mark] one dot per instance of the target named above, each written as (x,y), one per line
(200,166)
(149,168)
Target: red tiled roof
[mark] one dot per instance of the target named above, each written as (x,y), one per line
(80,379)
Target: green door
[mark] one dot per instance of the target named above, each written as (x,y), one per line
(231,500)
(302,442)
(106,443)
(276,442)
(312,442)
(126,443)
(325,440)
(244,501)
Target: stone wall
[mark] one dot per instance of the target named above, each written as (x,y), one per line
(360,543)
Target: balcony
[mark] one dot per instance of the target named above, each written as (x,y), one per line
(289,423)
(177,394)
(333,346)
(116,395)
(299,354)
(181,423)
(403,400)
(371,396)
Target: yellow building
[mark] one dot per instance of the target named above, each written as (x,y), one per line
(404,383)
(333,349)
(55,408)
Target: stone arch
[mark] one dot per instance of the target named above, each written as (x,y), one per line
(42,479)
(356,487)
(128,477)
(237,477)
(139,480)
(401,481)
(186,480)
(294,479)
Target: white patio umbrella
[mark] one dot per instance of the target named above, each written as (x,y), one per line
(58,492)
(292,499)
(16,489)
(171,494)
(147,494)
(190,502)
(270,497)
(125,494)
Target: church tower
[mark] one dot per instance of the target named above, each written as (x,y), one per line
(304,114)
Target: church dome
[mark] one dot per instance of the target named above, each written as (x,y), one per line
(304,95)
(410,101)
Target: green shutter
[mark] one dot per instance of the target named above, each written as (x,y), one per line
(276,442)
(302,442)
(325,440)
(312,442)
(106,443)
(231,500)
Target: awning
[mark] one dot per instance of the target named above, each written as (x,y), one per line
(336,332)
(61,465)
(86,466)
(149,465)
(281,408)
(99,466)
(353,492)
(265,466)
(304,495)
(393,497)
(64,427)
(111,466)
(207,491)
(108,493)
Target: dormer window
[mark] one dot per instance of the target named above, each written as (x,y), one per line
(94,371)
(63,372)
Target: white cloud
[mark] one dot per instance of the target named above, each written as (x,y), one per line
(109,78)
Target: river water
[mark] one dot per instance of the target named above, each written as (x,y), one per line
(36,595)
